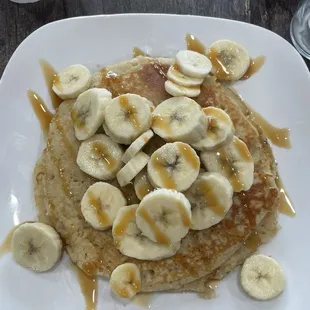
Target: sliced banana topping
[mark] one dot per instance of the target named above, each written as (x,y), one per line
(132,168)
(262,277)
(233,161)
(100,205)
(71,82)
(137,145)
(36,246)
(175,75)
(230,60)
(100,157)
(174,166)
(177,91)
(211,198)
(88,112)
(179,119)
(220,130)
(164,216)
(127,117)
(193,64)
(125,280)
(130,241)
(142,184)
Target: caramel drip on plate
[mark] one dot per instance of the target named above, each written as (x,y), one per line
(43,114)
(138,52)
(189,155)
(104,155)
(194,44)
(286,206)
(120,228)
(278,136)
(205,189)
(89,288)
(253,241)
(222,72)
(159,235)
(95,202)
(130,111)
(255,66)
(50,77)
(166,178)
(162,122)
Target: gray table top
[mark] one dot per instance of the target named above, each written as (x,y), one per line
(17,21)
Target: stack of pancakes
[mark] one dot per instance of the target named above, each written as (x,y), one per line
(204,255)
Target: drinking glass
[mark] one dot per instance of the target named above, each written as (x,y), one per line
(300,29)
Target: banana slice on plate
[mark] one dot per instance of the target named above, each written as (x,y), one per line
(211,198)
(174,166)
(142,184)
(179,119)
(193,64)
(100,157)
(233,161)
(175,75)
(129,240)
(71,82)
(132,168)
(230,59)
(262,277)
(220,130)
(100,205)
(87,113)
(164,216)
(127,117)
(176,90)
(125,280)
(137,145)
(36,246)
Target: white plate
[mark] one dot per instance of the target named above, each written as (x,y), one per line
(280,91)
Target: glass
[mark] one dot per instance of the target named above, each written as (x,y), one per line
(300,29)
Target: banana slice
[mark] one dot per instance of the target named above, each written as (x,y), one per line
(88,112)
(262,277)
(100,205)
(164,216)
(193,64)
(137,145)
(125,280)
(100,157)
(142,184)
(179,119)
(211,198)
(176,90)
(127,117)
(71,82)
(174,166)
(233,161)
(230,60)
(220,130)
(132,168)
(129,240)
(36,246)
(175,75)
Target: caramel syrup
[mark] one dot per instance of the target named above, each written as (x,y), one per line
(103,153)
(255,66)
(43,114)
(95,202)
(51,77)
(194,44)
(286,206)
(166,178)
(89,288)
(130,111)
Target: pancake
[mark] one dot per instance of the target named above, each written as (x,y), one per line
(60,185)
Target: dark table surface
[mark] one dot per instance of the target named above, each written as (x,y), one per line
(17,21)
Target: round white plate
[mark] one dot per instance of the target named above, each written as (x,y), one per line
(280,91)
